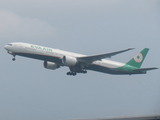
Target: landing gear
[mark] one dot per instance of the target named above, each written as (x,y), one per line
(75,73)
(71,73)
(83,71)
(14,58)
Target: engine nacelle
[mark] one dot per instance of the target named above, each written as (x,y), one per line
(69,61)
(50,65)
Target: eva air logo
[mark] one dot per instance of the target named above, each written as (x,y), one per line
(138,58)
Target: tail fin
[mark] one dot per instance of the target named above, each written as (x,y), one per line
(137,60)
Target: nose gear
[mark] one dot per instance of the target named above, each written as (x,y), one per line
(14,57)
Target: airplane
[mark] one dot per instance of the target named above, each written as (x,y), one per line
(78,63)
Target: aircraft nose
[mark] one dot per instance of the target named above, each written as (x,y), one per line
(5,47)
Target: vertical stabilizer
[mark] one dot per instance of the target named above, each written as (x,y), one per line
(137,60)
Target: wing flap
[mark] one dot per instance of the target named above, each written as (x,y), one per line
(92,58)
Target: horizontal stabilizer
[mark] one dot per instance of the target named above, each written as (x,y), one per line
(144,69)
(100,56)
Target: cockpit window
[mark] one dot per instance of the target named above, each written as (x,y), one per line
(10,44)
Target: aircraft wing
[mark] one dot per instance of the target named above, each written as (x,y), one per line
(154,117)
(144,69)
(93,58)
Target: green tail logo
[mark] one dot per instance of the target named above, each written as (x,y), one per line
(137,60)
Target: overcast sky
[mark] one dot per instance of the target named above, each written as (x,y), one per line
(30,92)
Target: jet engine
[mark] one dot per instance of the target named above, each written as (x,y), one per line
(50,65)
(69,61)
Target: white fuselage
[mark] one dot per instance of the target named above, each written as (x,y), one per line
(54,58)
(26,48)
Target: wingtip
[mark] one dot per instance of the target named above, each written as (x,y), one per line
(131,48)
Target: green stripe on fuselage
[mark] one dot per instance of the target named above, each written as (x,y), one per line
(126,68)
(129,69)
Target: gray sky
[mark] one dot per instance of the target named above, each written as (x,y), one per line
(30,92)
